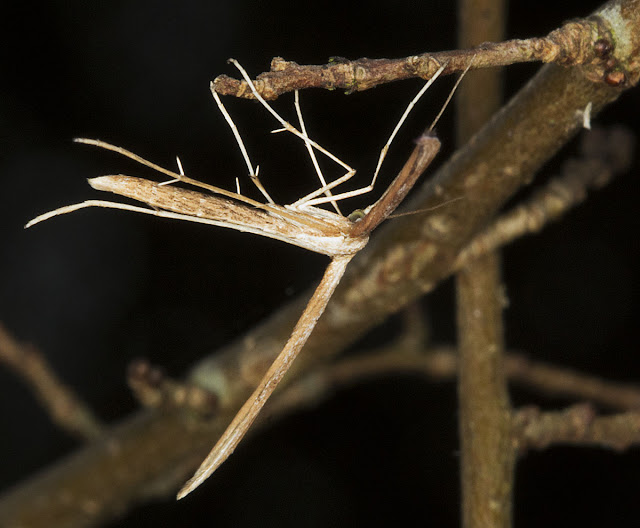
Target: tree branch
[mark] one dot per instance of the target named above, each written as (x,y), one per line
(580,42)
(441,363)
(487,458)
(577,425)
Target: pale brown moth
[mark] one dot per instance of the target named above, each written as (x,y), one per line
(301,223)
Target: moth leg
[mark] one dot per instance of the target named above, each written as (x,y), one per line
(253,173)
(312,153)
(286,126)
(315,199)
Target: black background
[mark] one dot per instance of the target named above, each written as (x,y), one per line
(98,288)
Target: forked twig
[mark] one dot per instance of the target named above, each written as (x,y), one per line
(301,224)
(66,409)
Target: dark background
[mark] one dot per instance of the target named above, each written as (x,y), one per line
(98,288)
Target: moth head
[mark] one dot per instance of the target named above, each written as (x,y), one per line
(356,215)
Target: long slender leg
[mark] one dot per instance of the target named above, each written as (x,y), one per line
(312,154)
(286,126)
(311,198)
(453,90)
(253,173)
(249,411)
(383,152)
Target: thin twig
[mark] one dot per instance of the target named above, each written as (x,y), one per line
(441,364)
(572,44)
(568,383)
(578,425)
(65,409)
(605,154)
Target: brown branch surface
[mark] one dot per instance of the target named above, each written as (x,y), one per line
(66,410)
(487,455)
(155,450)
(572,44)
